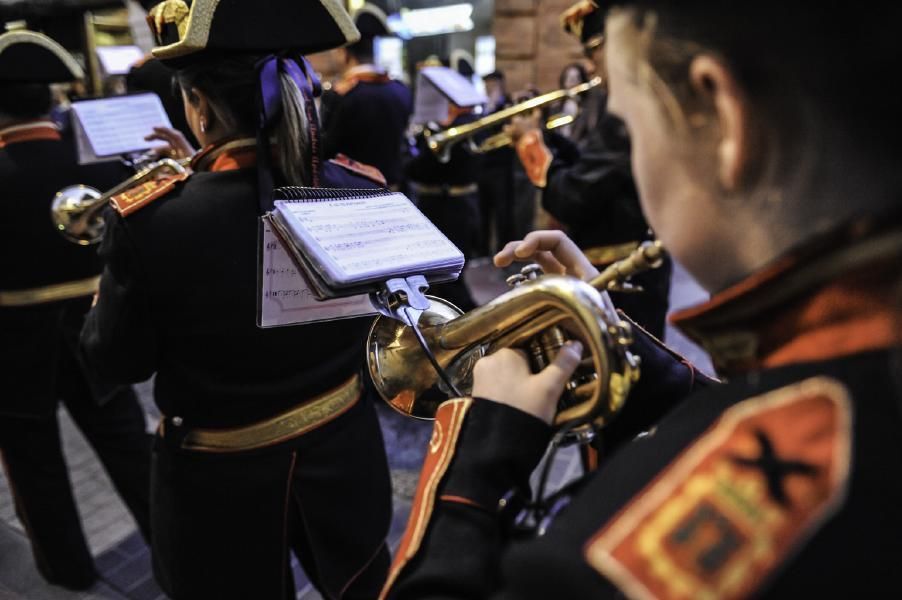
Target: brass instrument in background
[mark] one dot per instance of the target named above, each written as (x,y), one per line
(441,142)
(538,315)
(102,28)
(504,139)
(76,210)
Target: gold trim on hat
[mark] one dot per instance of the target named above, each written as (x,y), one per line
(200,20)
(343,20)
(573,19)
(371,9)
(197,31)
(39,39)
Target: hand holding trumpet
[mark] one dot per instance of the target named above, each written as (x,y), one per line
(177,145)
(505,375)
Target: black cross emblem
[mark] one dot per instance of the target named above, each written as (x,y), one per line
(774,469)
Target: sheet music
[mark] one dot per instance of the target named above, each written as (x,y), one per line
(457,88)
(285,298)
(357,239)
(118,60)
(117,125)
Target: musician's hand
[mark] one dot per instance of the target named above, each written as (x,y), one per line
(177,145)
(521,125)
(553,250)
(505,377)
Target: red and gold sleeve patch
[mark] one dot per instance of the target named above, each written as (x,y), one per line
(358,168)
(448,422)
(730,510)
(535,156)
(143,194)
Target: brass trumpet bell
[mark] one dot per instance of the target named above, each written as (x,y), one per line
(67,206)
(76,211)
(520,318)
(538,315)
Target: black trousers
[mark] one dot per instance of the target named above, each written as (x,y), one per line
(223,523)
(459,219)
(507,202)
(33,459)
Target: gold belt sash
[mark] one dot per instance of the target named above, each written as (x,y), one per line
(50,293)
(280,428)
(605,255)
(440,190)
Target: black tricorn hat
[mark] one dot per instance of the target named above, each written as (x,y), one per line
(224,26)
(29,57)
(462,62)
(585,20)
(371,21)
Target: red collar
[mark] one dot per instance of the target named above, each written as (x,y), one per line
(805,308)
(226,156)
(455,112)
(29,132)
(360,74)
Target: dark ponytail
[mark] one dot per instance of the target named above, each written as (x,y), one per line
(231,85)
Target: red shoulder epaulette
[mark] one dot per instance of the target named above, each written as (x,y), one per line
(535,156)
(143,194)
(358,168)
(735,506)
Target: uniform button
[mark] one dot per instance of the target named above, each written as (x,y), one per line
(177,421)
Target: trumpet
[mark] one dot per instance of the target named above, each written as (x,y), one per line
(76,209)
(504,139)
(441,142)
(539,314)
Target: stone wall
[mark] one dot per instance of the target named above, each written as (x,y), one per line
(530,46)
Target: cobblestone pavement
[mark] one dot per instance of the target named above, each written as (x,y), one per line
(121,555)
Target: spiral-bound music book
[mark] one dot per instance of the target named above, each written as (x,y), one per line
(350,242)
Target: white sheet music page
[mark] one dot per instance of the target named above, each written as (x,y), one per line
(356,240)
(118,125)
(285,298)
(118,60)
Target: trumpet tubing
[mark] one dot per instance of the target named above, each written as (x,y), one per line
(503,140)
(76,210)
(538,315)
(441,142)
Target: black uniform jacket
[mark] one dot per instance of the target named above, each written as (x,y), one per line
(784,482)
(594,195)
(178,298)
(462,168)
(36,161)
(365,116)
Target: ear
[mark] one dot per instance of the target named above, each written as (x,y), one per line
(712,80)
(201,103)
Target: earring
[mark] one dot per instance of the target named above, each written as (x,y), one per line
(203,125)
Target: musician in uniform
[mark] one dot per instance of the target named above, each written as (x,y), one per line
(446,191)
(594,195)
(365,114)
(776,183)
(46,285)
(267,444)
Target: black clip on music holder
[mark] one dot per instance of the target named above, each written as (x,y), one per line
(402,298)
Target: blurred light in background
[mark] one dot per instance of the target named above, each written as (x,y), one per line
(431,21)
